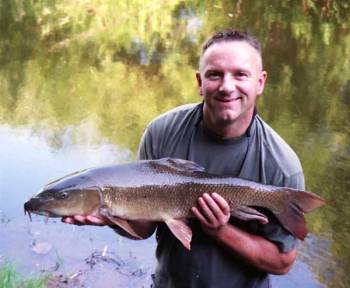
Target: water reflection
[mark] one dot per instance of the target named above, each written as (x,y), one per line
(79,80)
(29,162)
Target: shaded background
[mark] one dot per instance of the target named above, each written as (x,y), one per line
(80,80)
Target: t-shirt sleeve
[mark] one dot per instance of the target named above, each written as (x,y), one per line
(295,181)
(273,230)
(146,150)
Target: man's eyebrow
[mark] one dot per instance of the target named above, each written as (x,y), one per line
(237,69)
(213,70)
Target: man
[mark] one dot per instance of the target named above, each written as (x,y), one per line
(226,136)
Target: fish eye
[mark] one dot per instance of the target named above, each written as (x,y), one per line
(46,195)
(61,195)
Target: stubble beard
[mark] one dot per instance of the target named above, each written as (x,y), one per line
(227,120)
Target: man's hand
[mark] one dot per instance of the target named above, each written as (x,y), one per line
(144,229)
(213,212)
(97,220)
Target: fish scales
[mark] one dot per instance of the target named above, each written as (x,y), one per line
(158,202)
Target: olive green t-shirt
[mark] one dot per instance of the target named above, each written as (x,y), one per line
(259,155)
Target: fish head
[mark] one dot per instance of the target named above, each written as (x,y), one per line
(60,203)
(74,194)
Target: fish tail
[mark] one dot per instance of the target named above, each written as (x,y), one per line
(297,203)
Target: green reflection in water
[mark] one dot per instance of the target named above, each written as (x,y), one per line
(118,64)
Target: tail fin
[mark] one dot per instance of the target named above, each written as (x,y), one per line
(297,203)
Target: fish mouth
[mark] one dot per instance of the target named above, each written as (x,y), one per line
(29,208)
(43,213)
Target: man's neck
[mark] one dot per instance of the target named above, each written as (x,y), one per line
(228,129)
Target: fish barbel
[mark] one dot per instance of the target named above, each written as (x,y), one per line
(165,190)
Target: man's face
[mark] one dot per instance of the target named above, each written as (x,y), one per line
(230,78)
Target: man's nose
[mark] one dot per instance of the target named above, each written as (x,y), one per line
(228,84)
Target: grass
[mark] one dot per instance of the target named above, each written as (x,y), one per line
(10,278)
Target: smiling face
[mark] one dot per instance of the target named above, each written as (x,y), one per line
(230,79)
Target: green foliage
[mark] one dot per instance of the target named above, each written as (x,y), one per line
(10,278)
(7,276)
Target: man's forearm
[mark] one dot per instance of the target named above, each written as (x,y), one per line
(254,249)
(213,212)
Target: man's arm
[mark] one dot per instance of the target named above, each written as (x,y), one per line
(213,213)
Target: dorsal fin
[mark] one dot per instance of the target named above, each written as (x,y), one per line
(176,166)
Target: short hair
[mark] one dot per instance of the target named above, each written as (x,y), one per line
(232,35)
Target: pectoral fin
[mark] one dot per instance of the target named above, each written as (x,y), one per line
(124,224)
(181,231)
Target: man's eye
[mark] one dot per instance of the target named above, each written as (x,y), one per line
(241,75)
(213,75)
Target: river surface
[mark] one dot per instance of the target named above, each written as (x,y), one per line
(80,81)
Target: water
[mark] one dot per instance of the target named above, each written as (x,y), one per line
(79,83)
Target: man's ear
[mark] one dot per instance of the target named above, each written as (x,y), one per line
(262,80)
(199,82)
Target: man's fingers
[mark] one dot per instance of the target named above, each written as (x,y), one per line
(222,203)
(68,220)
(96,220)
(219,209)
(199,216)
(206,205)
(81,219)
(85,220)
(212,211)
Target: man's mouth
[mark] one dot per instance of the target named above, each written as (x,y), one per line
(228,100)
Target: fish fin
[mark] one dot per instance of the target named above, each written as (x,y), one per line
(181,231)
(176,166)
(122,223)
(297,203)
(307,201)
(248,213)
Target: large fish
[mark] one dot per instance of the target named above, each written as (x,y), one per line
(165,190)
